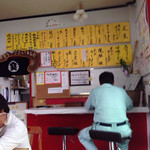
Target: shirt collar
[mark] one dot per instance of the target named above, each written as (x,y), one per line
(107,85)
(9,118)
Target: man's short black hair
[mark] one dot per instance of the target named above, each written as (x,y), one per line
(106,77)
(3,104)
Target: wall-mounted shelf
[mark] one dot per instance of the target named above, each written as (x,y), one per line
(19,88)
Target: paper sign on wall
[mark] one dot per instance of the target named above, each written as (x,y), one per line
(46,59)
(55,90)
(39,78)
(65,81)
(59,55)
(9,41)
(52,77)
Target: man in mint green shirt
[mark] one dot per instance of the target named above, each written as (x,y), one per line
(110,104)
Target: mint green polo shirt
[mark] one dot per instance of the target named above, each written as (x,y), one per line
(110,103)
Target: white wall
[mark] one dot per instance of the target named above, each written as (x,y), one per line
(4,83)
(38,24)
(138,6)
(95,17)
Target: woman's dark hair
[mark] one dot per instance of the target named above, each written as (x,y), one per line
(3,104)
(106,77)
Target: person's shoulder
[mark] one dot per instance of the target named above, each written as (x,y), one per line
(96,88)
(16,120)
(118,88)
(15,125)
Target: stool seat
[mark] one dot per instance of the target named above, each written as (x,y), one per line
(62,130)
(107,136)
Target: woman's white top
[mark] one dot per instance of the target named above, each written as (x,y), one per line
(13,134)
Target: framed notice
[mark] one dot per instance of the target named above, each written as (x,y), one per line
(79,78)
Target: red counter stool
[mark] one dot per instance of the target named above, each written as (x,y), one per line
(112,137)
(64,131)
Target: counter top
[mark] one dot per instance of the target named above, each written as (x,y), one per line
(74,110)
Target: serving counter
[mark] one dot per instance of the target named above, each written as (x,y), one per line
(74,110)
(80,118)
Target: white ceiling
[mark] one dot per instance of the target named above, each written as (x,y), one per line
(13,9)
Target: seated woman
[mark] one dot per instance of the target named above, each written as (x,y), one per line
(13,132)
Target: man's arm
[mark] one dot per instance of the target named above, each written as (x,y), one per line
(89,103)
(129,102)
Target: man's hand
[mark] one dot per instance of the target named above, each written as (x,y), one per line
(3,119)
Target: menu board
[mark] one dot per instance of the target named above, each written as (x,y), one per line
(93,56)
(72,36)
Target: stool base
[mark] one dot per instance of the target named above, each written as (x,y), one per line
(111,146)
(64,142)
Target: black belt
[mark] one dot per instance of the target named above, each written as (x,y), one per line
(109,124)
